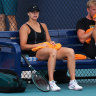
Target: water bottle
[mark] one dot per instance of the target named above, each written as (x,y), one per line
(32,59)
(29,58)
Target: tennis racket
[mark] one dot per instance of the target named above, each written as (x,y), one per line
(40,81)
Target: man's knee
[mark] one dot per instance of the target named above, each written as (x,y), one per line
(2,17)
(11,17)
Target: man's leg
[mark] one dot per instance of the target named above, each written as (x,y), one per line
(90,50)
(2,17)
(2,22)
(94,36)
(10,9)
(12,23)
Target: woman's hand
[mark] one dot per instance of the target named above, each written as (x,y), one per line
(52,42)
(43,44)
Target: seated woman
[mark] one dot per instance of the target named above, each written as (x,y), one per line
(32,34)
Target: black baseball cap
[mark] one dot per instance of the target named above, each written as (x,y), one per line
(33,8)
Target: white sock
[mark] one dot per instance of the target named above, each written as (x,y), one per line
(51,81)
(72,81)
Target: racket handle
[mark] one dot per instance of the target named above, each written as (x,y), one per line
(30,66)
(34,71)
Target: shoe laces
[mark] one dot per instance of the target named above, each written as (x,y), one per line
(75,83)
(54,83)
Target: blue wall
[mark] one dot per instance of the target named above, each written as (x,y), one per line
(57,14)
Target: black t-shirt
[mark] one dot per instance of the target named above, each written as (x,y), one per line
(85,24)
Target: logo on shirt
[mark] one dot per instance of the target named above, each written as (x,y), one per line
(91,26)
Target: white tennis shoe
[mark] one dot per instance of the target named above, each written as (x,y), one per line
(74,85)
(53,86)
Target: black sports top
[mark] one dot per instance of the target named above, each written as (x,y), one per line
(34,38)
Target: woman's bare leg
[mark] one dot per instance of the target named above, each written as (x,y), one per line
(69,53)
(50,55)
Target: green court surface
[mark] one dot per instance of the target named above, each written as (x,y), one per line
(89,90)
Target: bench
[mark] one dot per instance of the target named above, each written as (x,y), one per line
(10,52)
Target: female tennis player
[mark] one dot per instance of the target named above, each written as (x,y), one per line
(32,34)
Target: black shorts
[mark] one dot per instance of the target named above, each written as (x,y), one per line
(29,52)
(90,49)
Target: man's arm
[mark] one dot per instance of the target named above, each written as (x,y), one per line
(82,36)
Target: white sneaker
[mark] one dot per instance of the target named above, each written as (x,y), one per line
(53,86)
(74,85)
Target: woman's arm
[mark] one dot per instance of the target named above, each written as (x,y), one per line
(48,39)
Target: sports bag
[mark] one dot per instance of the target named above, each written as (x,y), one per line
(10,82)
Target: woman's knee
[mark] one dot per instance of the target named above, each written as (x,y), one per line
(70,52)
(53,52)
(44,55)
